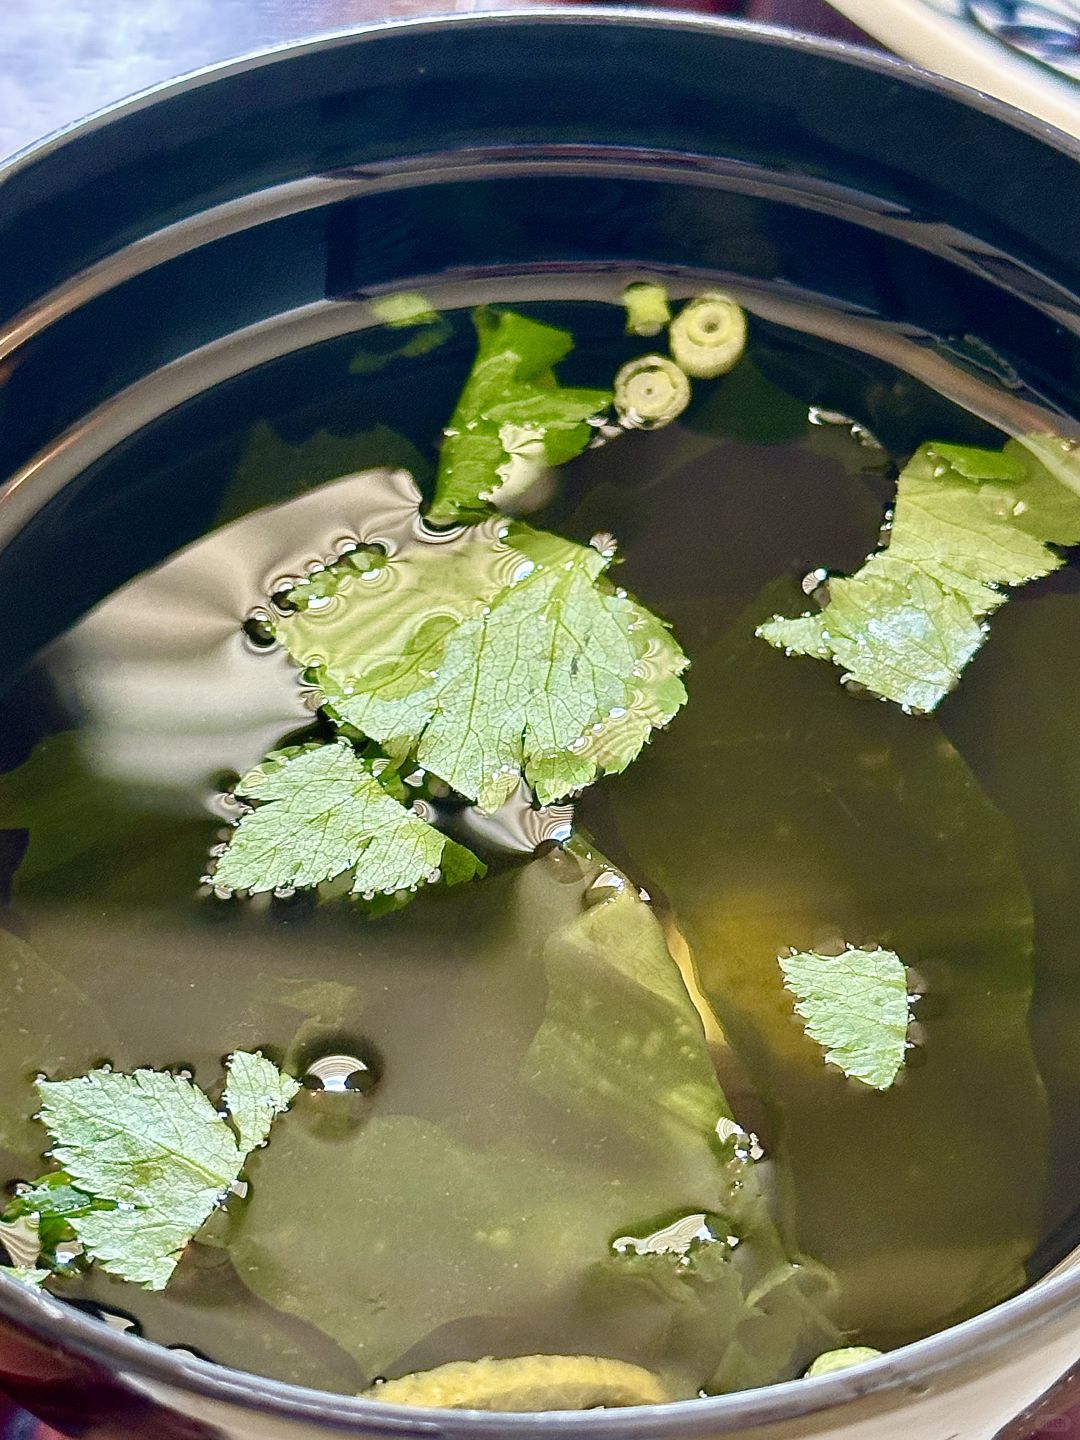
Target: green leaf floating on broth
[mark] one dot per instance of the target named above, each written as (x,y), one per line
(321,811)
(508,1245)
(855,1005)
(857,825)
(502,651)
(511,410)
(153,1147)
(967,522)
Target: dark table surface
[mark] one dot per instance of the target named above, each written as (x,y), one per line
(61,59)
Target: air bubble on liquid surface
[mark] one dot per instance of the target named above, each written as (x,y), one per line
(340,1075)
(259,631)
(678,1238)
(607,885)
(744,1144)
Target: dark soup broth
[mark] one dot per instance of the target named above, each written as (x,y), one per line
(757,1049)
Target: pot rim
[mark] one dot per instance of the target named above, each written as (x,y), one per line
(143,1363)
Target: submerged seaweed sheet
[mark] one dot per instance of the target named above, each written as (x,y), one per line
(599,1083)
(790,815)
(1029,761)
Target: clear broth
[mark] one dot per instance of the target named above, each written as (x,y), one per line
(775,810)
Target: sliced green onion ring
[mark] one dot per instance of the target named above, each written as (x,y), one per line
(708,336)
(650,391)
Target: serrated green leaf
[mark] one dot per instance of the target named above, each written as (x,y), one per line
(498,653)
(256,1092)
(512,408)
(856,1007)
(154,1155)
(967,523)
(321,811)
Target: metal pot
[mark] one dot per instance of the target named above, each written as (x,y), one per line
(159,256)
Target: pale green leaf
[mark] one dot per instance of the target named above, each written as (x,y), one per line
(511,397)
(256,1092)
(499,652)
(321,811)
(153,1147)
(967,523)
(856,1007)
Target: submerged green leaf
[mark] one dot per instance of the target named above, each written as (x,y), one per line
(816,819)
(321,811)
(855,1005)
(49,1017)
(91,834)
(271,470)
(498,1212)
(153,1153)
(652,1077)
(967,522)
(510,401)
(406,310)
(498,653)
